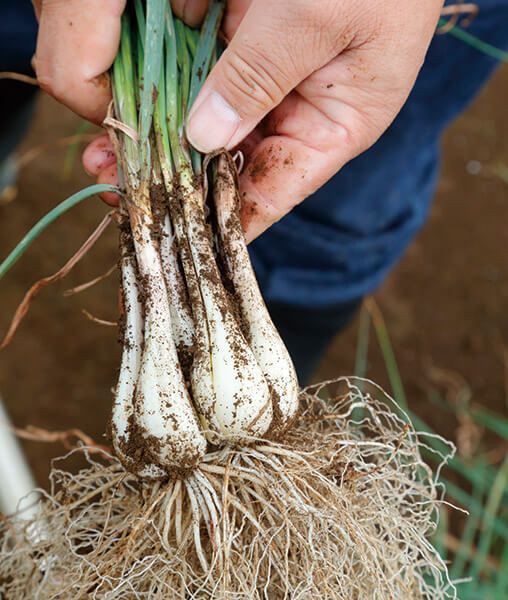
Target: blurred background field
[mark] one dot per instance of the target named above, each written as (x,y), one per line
(435,335)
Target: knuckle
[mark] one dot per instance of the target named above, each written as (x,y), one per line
(326,135)
(252,81)
(368,127)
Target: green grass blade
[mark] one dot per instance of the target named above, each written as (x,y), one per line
(475,508)
(469,591)
(502,578)
(501,171)
(487,527)
(479,472)
(362,345)
(486,477)
(361,358)
(399,395)
(439,539)
(475,42)
(495,422)
(49,218)
(465,549)
(389,358)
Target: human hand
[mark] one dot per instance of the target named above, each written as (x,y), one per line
(77,44)
(302,88)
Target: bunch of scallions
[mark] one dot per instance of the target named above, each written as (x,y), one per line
(225,481)
(202,363)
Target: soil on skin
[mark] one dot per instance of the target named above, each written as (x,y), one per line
(445,305)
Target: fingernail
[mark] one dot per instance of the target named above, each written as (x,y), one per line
(212,123)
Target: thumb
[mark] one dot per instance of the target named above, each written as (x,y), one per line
(276,47)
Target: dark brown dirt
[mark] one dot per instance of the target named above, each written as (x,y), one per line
(263,162)
(446,305)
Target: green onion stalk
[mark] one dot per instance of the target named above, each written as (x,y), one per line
(203,366)
(227,483)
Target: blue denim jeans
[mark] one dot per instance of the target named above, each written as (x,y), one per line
(18,30)
(340,243)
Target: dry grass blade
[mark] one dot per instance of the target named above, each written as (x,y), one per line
(468,12)
(23,308)
(85,286)
(19,77)
(112,123)
(97,320)
(38,434)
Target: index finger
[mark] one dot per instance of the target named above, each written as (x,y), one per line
(77,44)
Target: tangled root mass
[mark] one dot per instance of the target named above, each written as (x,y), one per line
(343,509)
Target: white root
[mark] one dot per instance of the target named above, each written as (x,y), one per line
(196,520)
(343,522)
(168,515)
(263,337)
(212,502)
(240,405)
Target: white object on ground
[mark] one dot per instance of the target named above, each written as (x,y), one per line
(15,474)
